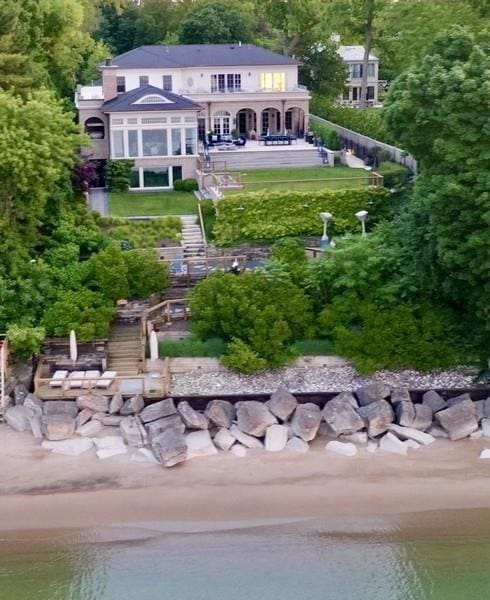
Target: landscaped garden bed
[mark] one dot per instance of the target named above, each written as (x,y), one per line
(135,204)
(142,234)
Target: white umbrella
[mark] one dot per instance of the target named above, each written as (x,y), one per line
(153,346)
(73,347)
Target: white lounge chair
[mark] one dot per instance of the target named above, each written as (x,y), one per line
(76,379)
(90,379)
(106,379)
(57,379)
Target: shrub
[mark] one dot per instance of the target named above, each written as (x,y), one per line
(264,313)
(179,185)
(25,341)
(146,275)
(190,185)
(107,272)
(394,175)
(270,215)
(209,217)
(239,356)
(143,234)
(88,313)
(118,175)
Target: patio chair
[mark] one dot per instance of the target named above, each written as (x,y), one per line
(76,379)
(106,379)
(90,377)
(57,379)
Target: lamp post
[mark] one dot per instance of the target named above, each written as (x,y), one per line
(362,216)
(325,243)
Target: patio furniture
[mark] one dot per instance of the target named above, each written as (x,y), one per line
(90,377)
(76,379)
(276,139)
(57,379)
(106,379)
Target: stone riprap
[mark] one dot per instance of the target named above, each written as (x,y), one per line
(371,419)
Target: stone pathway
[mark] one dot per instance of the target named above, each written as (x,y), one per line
(192,239)
(99,201)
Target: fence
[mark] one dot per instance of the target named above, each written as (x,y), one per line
(3,373)
(362,143)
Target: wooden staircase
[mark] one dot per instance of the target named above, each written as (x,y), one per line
(124,348)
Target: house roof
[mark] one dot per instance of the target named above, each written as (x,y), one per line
(199,55)
(354,53)
(129,101)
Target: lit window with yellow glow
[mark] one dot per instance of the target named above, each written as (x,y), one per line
(273,81)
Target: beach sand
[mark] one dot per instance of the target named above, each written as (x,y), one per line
(40,490)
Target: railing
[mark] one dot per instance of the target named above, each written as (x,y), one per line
(354,138)
(201,224)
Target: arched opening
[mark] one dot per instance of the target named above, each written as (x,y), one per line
(246,123)
(221,122)
(295,121)
(271,121)
(95,128)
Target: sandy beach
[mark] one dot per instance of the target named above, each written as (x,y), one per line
(42,490)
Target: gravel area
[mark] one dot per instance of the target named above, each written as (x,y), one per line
(312,379)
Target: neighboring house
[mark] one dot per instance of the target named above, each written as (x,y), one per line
(353,58)
(154,103)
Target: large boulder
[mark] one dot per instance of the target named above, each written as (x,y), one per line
(306,421)
(57,427)
(132,406)
(276,437)
(458,420)
(409,433)
(341,416)
(60,407)
(199,443)
(434,400)
(457,399)
(372,392)
(378,416)
(221,413)
(254,417)
(400,395)
(84,416)
(133,432)
(192,418)
(158,410)
(423,417)
(93,402)
(154,428)
(17,417)
(35,425)
(108,420)
(405,413)
(89,429)
(223,439)
(390,443)
(246,440)
(33,404)
(238,450)
(170,447)
(116,403)
(296,444)
(282,404)
(342,448)
(20,393)
(73,447)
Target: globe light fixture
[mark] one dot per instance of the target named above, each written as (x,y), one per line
(362,216)
(326,217)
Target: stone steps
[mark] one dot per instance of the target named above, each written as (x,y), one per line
(123,349)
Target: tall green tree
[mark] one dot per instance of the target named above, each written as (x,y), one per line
(439,111)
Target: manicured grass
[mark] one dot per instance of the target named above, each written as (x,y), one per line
(135,204)
(193,347)
(313,347)
(297,179)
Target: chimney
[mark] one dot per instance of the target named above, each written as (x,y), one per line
(109,79)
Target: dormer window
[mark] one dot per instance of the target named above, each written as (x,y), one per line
(144,80)
(167,83)
(153,99)
(121,85)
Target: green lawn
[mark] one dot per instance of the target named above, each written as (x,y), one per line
(135,204)
(296,178)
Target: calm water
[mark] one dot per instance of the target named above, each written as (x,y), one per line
(444,556)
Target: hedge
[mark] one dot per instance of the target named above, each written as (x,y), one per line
(267,216)
(394,175)
(328,135)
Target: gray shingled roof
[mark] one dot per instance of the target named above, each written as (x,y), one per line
(200,55)
(126,102)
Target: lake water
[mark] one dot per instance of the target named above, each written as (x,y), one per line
(443,556)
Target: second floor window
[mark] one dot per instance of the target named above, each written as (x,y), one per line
(144,80)
(167,83)
(121,85)
(230,82)
(275,82)
(357,70)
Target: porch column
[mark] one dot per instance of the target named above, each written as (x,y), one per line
(209,128)
(283,116)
